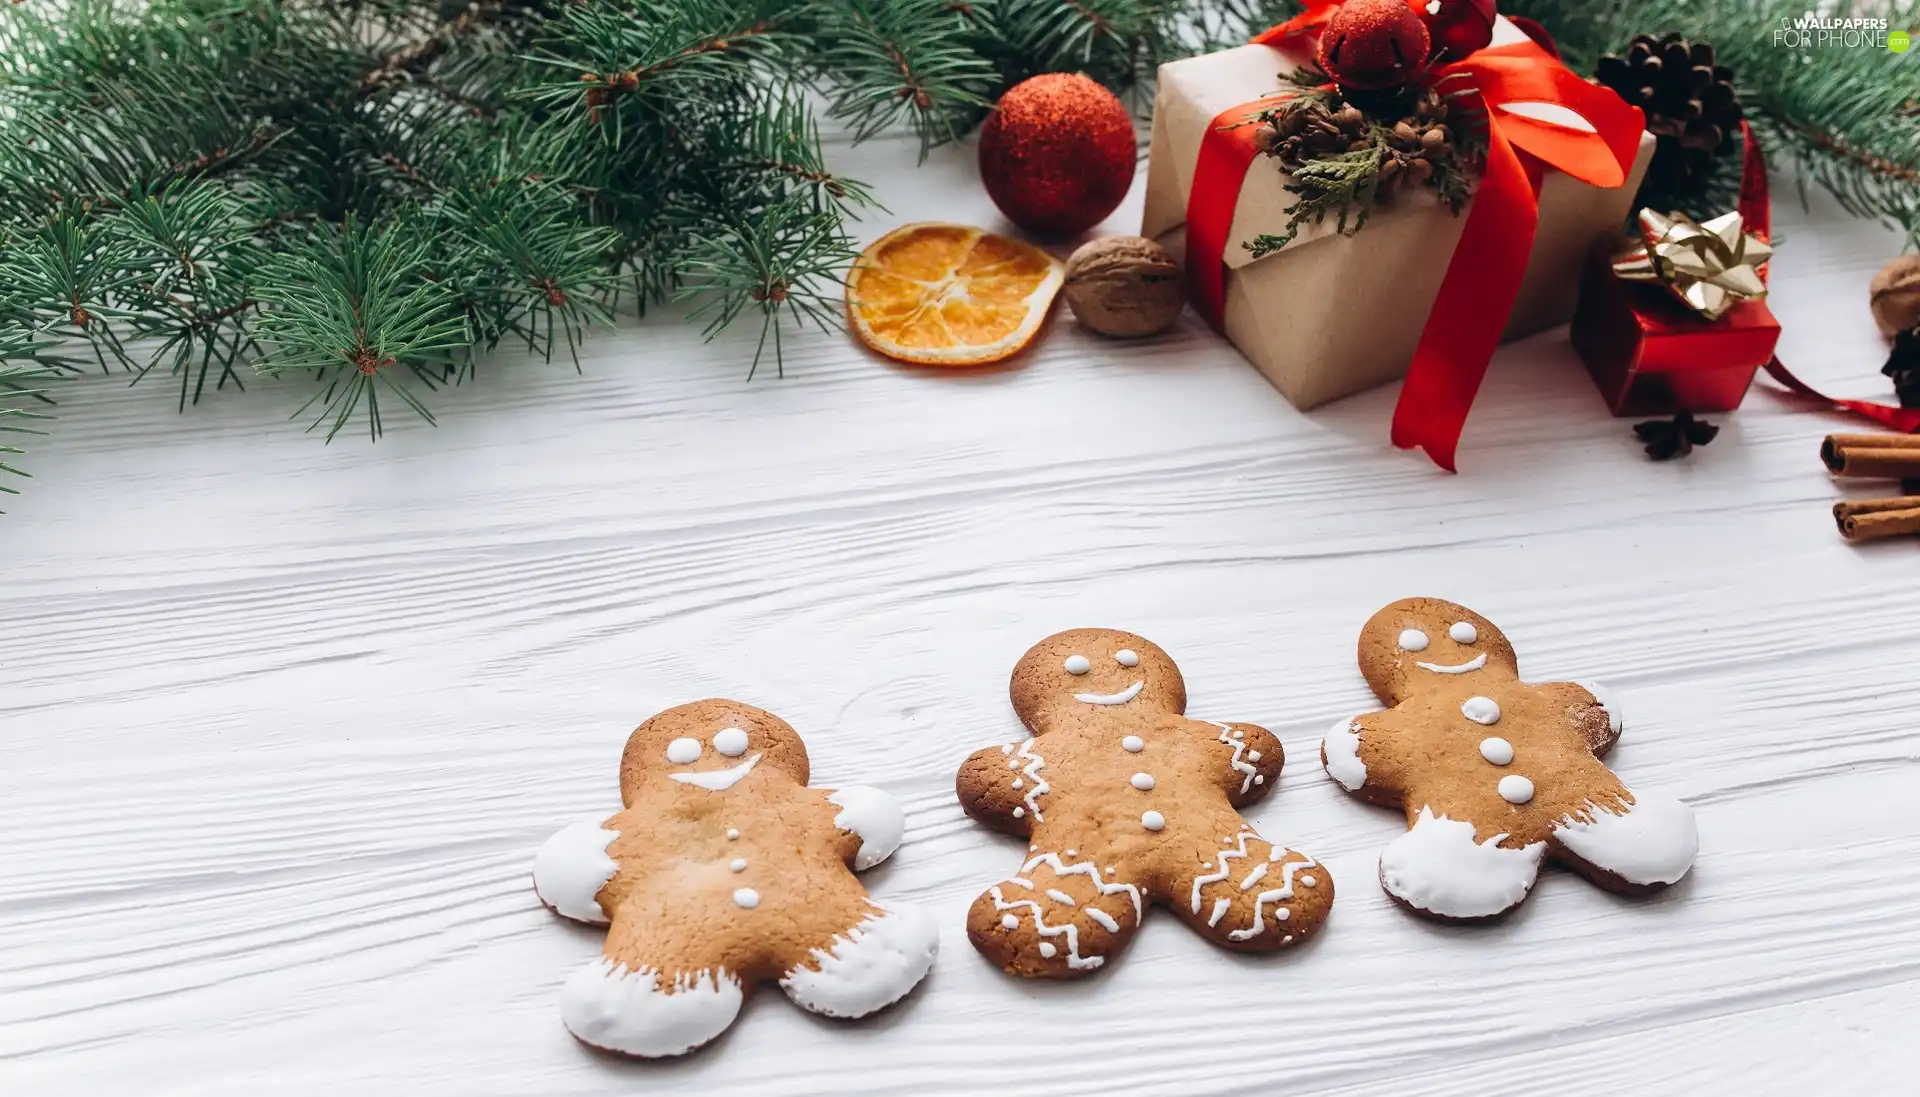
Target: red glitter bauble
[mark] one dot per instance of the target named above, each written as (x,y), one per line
(1057,155)
(1370,45)
(1460,27)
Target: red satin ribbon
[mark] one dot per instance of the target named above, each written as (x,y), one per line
(1483,277)
(1756,212)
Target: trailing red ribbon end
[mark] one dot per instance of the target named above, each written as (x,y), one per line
(1756,213)
(1483,278)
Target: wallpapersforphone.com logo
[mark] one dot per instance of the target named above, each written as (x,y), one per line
(1812,31)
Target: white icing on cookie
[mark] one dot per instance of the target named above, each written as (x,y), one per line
(1153,820)
(1040,787)
(1235,738)
(1074,959)
(1463,632)
(1438,867)
(683,751)
(609,1006)
(1008,921)
(1143,782)
(746,898)
(733,835)
(731,742)
(1496,750)
(1342,746)
(572,867)
(1481,710)
(1278,895)
(1515,789)
(1127,657)
(1078,665)
(1605,697)
(872,965)
(1474,663)
(1120,698)
(1085,868)
(1061,897)
(1413,640)
(1220,908)
(738,864)
(875,817)
(1652,842)
(1047,951)
(1106,920)
(1133,744)
(718,780)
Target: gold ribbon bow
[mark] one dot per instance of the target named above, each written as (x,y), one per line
(1709,266)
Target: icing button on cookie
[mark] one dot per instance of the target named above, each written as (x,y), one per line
(1481,710)
(1133,744)
(1496,750)
(1153,820)
(1516,789)
(1143,782)
(746,898)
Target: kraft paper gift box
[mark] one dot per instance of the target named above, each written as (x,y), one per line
(1331,315)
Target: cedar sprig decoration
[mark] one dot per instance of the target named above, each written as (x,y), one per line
(1341,160)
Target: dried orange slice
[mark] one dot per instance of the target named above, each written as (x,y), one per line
(950,295)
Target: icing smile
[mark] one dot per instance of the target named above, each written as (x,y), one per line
(718,779)
(1120,698)
(1474,663)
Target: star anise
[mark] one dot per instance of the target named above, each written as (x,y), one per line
(1675,437)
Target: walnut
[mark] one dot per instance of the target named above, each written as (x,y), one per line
(1125,286)
(1895,295)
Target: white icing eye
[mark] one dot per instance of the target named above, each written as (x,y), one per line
(1463,632)
(731,742)
(683,751)
(1413,640)
(1127,657)
(1078,664)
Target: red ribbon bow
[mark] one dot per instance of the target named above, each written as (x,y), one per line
(1483,278)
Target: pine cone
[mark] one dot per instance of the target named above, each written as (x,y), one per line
(1692,108)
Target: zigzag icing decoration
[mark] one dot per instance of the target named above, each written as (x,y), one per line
(1239,747)
(1037,785)
(1074,959)
(1085,868)
(1277,895)
(1219,872)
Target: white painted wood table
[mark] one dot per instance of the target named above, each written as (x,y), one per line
(282,724)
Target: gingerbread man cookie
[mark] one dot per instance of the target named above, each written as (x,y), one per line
(725,870)
(1126,802)
(1494,773)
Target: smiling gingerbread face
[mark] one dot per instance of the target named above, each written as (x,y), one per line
(1428,640)
(712,745)
(1088,670)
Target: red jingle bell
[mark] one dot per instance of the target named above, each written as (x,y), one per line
(1459,27)
(1372,45)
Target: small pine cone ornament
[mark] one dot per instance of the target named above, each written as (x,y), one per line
(1307,129)
(1692,108)
(1057,154)
(1903,367)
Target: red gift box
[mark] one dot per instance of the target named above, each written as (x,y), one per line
(1651,355)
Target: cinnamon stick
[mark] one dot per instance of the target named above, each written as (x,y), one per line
(1892,456)
(1870,519)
